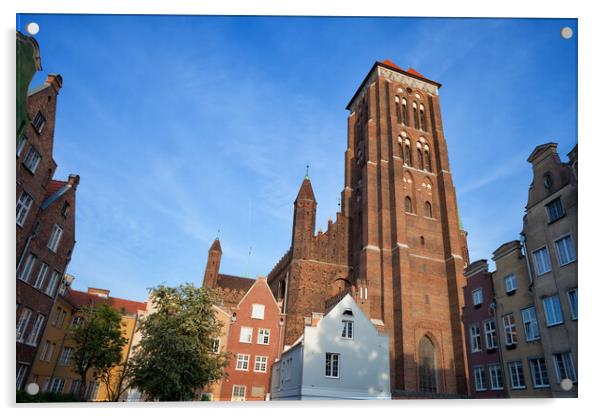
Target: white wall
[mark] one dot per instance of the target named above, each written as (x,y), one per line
(285,382)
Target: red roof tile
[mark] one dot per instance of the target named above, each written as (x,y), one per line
(226,281)
(83,298)
(54,186)
(390,63)
(414,72)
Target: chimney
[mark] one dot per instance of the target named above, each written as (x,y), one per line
(56,81)
(73,181)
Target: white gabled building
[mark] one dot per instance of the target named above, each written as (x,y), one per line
(340,356)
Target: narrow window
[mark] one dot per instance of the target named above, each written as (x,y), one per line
(408,153)
(55,238)
(66,356)
(32,160)
(510,282)
(427,157)
(565,250)
(530,324)
(215,344)
(332,365)
(52,284)
(572,295)
(32,339)
(21,144)
(21,373)
(477,297)
(509,329)
(475,338)
(539,372)
(347,329)
(479,378)
(27,268)
(420,159)
(564,367)
(397,110)
(496,378)
(427,366)
(415,116)
(22,324)
(428,209)
(517,376)
(39,122)
(408,204)
(41,277)
(422,119)
(65,210)
(404,112)
(542,261)
(552,310)
(490,335)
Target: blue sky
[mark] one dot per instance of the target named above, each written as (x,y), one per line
(183,125)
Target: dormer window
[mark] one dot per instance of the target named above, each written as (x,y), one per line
(347,329)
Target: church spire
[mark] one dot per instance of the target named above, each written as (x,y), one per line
(306,192)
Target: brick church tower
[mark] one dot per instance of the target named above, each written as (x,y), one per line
(396,245)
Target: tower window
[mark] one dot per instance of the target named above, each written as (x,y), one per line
(422,118)
(415,116)
(404,112)
(420,159)
(397,110)
(428,209)
(427,371)
(427,157)
(408,204)
(408,153)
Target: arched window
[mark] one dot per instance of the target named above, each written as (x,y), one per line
(397,110)
(404,111)
(408,153)
(420,158)
(428,209)
(408,205)
(422,118)
(427,157)
(427,366)
(415,115)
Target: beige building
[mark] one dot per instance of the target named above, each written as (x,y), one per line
(526,369)
(550,238)
(213,391)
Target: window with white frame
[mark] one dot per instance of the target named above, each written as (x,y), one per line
(510,282)
(261,364)
(66,356)
(52,284)
(263,336)
(530,324)
(572,295)
(55,238)
(542,261)
(539,372)
(47,351)
(479,378)
(21,373)
(23,206)
(32,339)
(496,378)
(517,376)
(21,144)
(41,277)
(39,122)
(238,393)
(565,250)
(477,297)
(564,366)
(258,311)
(347,329)
(509,329)
(246,334)
(22,324)
(44,351)
(32,160)
(555,210)
(25,274)
(57,385)
(242,362)
(75,384)
(490,334)
(475,338)
(553,312)
(332,365)
(215,343)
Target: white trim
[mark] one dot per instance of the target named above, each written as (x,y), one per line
(371,247)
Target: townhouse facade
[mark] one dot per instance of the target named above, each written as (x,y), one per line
(45,219)
(485,370)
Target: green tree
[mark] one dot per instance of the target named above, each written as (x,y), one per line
(98,340)
(175,357)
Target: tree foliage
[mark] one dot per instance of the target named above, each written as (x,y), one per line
(175,357)
(98,339)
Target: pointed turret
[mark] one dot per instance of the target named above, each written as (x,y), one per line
(304,221)
(213,261)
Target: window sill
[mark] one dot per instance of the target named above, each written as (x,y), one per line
(332,377)
(510,346)
(569,263)
(511,292)
(478,306)
(557,219)
(546,386)
(491,350)
(544,273)
(241,369)
(519,388)
(553,325)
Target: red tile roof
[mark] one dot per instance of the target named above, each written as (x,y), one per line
(54,186)
(226,281)
(414,72)
(306,191)
(83,298)
(216,246)
(390,63)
